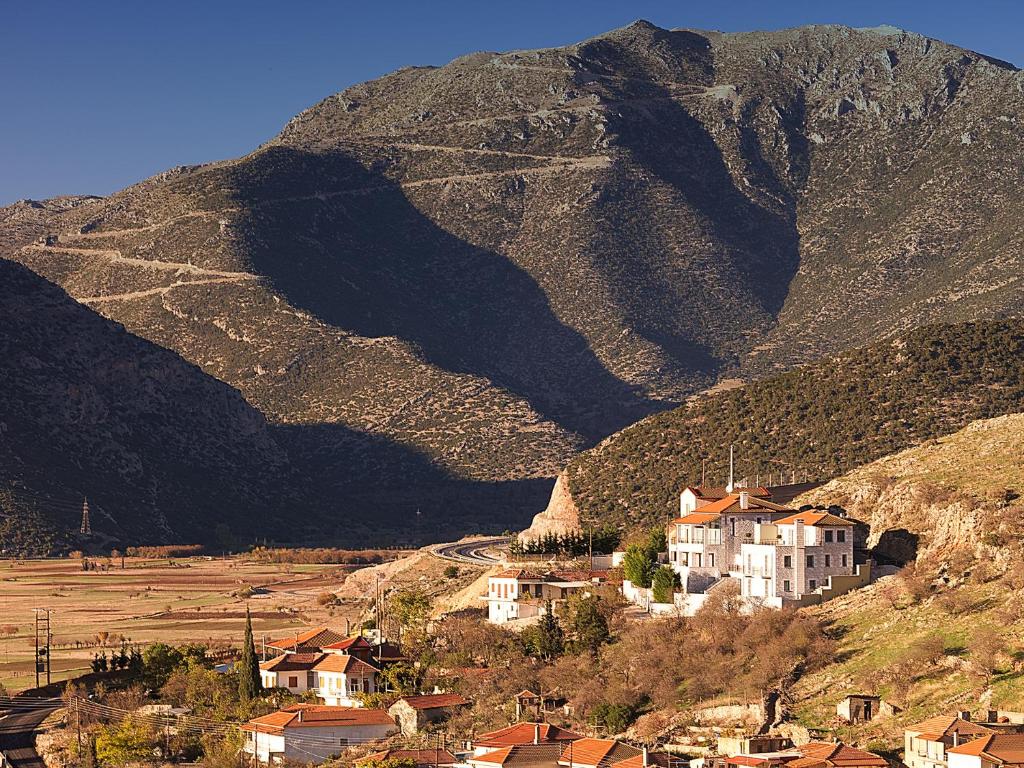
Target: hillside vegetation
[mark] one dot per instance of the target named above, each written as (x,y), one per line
(819,421)
(946,632)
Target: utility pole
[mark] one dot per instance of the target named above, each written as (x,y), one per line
(42,659)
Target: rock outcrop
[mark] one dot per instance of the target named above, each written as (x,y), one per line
(558,518)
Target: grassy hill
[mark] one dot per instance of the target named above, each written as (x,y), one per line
(819,421)
(945,634)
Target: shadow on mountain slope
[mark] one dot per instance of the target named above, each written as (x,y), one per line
(756,244)
(411,500)
(346,244)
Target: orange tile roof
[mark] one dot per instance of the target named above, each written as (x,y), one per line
(312,638)
(697,518)
(523,733)
(495,757)
(811,517)
(596,752)
(291,662)
(345,664)
(315,716)
(941,725)
(999,748)
(840,755)
(435,700)
(420,757)
(710,492)
(348,643)
(519,573)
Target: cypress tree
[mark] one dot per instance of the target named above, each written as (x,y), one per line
(249,685)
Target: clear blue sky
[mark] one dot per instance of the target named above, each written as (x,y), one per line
(97,95)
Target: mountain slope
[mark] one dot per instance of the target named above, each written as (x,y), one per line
(817,421)
(466,274)
(162,451)
(943,638)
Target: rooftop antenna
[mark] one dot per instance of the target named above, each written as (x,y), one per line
(86,528)
(703,472)
(730,486)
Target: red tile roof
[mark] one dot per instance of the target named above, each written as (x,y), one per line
(523,733)
(314,716)
(291,662)
(841,755)
(999,748)
(343,663)
(348,644)
(435,700)
(942,725)
(519,573)
(314,639)
(596,752)
(697,518)
(811,517)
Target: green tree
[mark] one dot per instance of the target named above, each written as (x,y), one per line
(129,741)
(587,623)
(249,685)
(159,660)
(663,585)
(545,639)
(410,607)
(637,566)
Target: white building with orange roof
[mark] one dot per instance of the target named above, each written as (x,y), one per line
(925,744)
(808,553)
(306,733)
(994,750)
(520,594)
(341,679)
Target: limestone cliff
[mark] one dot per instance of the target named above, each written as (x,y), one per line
(560,516)
(960,492)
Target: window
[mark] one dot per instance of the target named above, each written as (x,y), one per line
(840,536)
(810,561)
(732,523)
(787,562)
(814,583)
(293,682)
(844,561)
(711,559)
(785,586)
(758,520)
(828,561)
(828,536)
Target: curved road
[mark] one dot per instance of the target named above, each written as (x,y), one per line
(471,551)
(18,722)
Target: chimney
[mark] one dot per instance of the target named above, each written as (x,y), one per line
(744,499)
(536,733)
(300,715)
(645,758)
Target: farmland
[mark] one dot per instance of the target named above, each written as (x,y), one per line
(170,600)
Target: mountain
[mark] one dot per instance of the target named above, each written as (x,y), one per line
(441,285)
(812,423)
(161,450)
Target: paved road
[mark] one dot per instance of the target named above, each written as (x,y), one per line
(17,729)
(471,551)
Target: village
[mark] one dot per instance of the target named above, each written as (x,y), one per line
(387,694)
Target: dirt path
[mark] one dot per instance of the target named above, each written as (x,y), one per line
(165,289)
(113,255)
